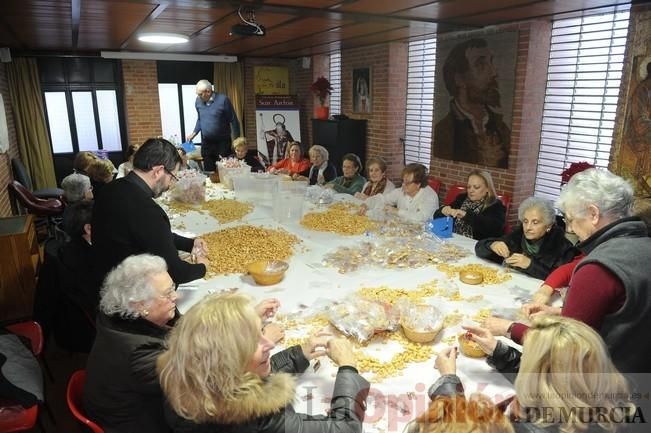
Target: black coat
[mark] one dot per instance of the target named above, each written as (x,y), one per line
(252,159)
(487,223)
(554,251)
(273,400)
(329,174)
(127,221)
(122,393)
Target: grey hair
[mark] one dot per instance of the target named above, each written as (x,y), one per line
(202,85)
(322,150)
(75,186)
(546,208)
(611,194)
(128,283)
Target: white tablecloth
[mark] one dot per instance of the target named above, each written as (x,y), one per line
(307,280)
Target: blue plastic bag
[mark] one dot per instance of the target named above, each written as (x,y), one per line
(442,227)
(188,146)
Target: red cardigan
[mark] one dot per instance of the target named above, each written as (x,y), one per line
(293,167)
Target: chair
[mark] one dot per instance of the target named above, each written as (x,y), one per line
(435,184)
(22,176)
(453,192)
(506,201)
(73,395)
(47,209)
(15,418)
(33,331)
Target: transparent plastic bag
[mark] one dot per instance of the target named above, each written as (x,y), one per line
(191,187)
(360,318)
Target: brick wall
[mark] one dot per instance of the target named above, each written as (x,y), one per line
(142,105)
(386,122)
(5,158)
(530,78)
(299,83)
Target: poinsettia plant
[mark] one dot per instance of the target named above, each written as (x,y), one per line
(574,168)
(321,89)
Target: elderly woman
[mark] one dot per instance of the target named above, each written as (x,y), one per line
(564,366)
(238,386)
(127,166)
(351,182)
(137,301)
(100,173)
(609,287)
(82,160)
(321,170)
(377,179)
(414,202)
(477,213)
(292,164)
(536,246)
(244,154)
(76,187)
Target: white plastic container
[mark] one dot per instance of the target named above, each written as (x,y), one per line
(256,188)
(226,174)
(288,201)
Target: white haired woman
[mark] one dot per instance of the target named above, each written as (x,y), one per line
(609,289)
(321,171)
(218,376)
(122,393)
(536,246)
(564,369)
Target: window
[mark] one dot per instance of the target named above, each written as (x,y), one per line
(335,82)
(82,104)
(585,67)
(420,101)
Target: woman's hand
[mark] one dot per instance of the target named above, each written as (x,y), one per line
(446,361)
(320,179)
(518,260)
(272,170)
(483,337)
(340,350)
(448,211)
(500,248)
(200,247)
(497,325)
(534,310)
(274,332)
(315,346)
(360,196)
(267,308)
(362,209)
(543,295)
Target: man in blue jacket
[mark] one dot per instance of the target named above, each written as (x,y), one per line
(216,120)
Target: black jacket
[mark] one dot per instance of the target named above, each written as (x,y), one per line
(329,174)
(272,398)
(252,159)
(487,223)
(127,221)
(122,393)
(554,251)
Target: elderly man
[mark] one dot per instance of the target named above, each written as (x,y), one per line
(473,131)
(216,121)
(127,221)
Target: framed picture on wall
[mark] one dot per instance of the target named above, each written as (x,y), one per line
(362,98)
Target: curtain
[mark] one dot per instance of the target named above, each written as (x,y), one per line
(29,117)
(229,80)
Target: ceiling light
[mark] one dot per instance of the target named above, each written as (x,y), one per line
(163,38)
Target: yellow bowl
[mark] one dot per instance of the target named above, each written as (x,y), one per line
(415,315)
(266,273)
(471,277)
(469,347)
(418,336)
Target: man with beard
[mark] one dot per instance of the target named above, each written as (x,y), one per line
(127,221)
(473,131)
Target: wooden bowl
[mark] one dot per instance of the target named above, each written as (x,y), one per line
(418,336)
(418,312)
(471,277)
(469,347)
(266,273)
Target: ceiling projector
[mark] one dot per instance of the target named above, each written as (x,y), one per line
(247,30)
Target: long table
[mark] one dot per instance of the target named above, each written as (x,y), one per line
(395,400)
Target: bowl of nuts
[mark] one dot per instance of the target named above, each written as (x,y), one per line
(422,323)
(267,272)
(470,348)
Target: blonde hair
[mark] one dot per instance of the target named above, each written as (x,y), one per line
(83,160)
(101,170)
(208,352)
(455,414)
(565,365)
(488,181)
(239,141)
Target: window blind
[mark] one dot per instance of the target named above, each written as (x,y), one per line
(335,82)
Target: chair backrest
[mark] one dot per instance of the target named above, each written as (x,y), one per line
(435,184)
(31,330)
(73,395)
(15,418)
(506,201)
(453,192)
(21,174)
(34,204)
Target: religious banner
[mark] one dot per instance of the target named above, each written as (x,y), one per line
(278,124)
(271,80)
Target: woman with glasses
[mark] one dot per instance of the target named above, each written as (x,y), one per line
(536,246)
(414,202)
(137,302)
(477,213)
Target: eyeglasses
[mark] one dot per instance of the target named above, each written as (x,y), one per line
(170,294)
(176,179)
(407,182)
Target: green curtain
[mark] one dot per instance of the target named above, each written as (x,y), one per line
(229,80)
(29,117)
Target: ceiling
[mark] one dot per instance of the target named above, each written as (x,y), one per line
(294,28)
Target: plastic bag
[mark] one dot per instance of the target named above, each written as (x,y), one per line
(191,187)
(229,168)
(360,318)
(319,195)
(420,317)
(441,227)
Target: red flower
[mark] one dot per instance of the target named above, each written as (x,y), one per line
(574,168)
(321,88)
